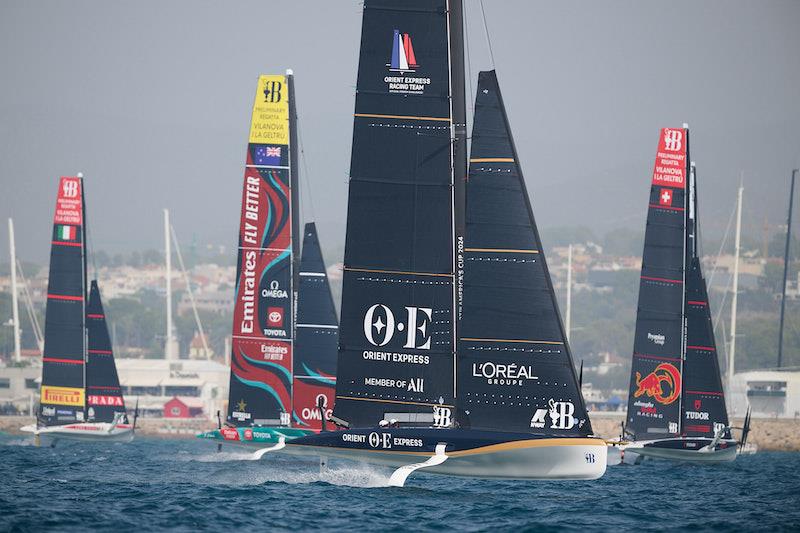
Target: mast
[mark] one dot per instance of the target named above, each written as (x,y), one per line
(569,292)
(785,270)
(294,178)
(458,112)
(168,355)
(734,299)
(14,301)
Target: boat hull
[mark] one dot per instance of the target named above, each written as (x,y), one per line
(687,449)
(82,431)
(470,453)
(256,437)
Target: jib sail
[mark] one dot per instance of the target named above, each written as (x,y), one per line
(654,398)
(63,393)
(515,370)
(317,332)
(703,403)
(396,345)
(103,393)
(261,358)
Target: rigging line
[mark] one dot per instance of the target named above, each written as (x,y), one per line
(306,173)
(722,245)
(190,292)
(486,33)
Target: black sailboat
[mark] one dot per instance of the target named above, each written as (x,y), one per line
(80,394)
(676,403)
(451,347)
(284,323)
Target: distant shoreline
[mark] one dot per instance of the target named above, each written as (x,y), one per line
(775,434)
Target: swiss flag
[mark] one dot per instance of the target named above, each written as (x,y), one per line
(665,198)
(275,317)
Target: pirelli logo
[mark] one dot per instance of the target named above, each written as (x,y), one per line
(62,395)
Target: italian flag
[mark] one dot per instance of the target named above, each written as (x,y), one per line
(66,233)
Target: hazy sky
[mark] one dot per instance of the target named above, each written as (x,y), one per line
(152,100)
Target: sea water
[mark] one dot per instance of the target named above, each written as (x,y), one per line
(154,484)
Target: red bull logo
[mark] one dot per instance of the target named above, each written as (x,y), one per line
(662,384)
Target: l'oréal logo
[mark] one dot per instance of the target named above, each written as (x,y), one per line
(503,374)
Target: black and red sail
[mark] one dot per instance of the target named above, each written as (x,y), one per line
(63,364)
(103,393)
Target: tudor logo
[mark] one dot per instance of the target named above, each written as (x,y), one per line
(380,326)
(69,188)
(673,140)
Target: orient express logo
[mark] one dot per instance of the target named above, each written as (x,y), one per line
(402,62)
(662,384)
(380,326)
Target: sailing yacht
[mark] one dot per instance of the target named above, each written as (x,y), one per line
(676,403)
(80,394)
(285,328)
(452,354)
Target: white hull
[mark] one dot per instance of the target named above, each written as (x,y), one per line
(643,449)
(535,459)
(82,431)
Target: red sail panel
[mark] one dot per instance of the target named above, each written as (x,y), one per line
(261,358)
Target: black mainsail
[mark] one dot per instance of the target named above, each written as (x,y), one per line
(397,337)
(316,338)
(703,410)
(103,394)
(63,392)
(515,369)
(654,404)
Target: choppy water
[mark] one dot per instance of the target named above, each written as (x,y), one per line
(185,485)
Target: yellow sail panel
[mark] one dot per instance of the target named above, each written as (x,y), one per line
(270,123)
(62,395)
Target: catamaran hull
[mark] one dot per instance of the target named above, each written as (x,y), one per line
(694,450)
(469,453)
(254,438)
(84,432)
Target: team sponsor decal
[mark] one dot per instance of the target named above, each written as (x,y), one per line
(409,385)
(670,167)
(248,434)
(240,413)
(62,395)
(48,411)
(662,384)
(380,326)
(306,400)
(442,416)
(503,374)
(275,317)
(95,399)
(656,338)
(665,197)
(560,416)
(402,62)
(382,440)
(697,414)
(69,209)
(229,434)
(270,123)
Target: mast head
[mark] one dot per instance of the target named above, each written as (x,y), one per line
(289,72)
(79,175)
(686,125)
